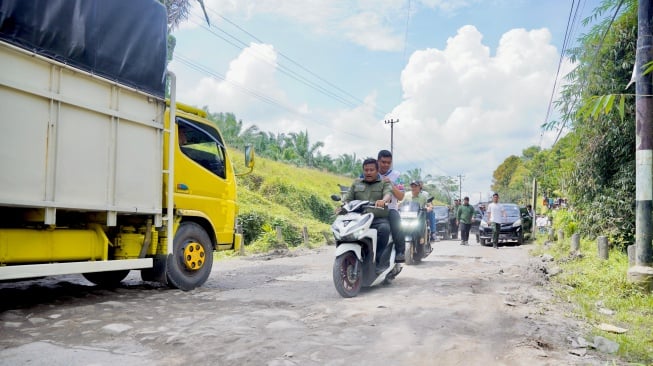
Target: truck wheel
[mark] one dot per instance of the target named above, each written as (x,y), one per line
(191,260)
(106,279)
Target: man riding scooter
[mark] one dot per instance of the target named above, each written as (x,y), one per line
(374,189)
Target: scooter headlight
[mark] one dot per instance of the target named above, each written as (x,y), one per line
(352,232)
(516,223)
(409,224)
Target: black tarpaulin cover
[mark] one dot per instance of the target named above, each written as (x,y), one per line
(121,40)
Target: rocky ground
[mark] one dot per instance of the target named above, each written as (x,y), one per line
(463,305)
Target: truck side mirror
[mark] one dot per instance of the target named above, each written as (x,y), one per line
(249,160)
(249,156)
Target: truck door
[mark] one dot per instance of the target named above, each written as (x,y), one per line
(204,179)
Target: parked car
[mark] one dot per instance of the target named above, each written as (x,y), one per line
(513,225)
(442,228)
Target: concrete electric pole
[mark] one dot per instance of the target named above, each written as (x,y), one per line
(392,122)
(642,272)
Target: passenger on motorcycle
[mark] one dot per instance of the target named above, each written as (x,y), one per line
(374,189)
(422,196)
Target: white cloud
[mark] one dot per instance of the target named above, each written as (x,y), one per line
(250,78)
(464,110)
(371,24)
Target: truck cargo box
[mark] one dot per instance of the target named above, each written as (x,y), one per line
(72,140)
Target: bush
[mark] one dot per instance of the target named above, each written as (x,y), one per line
(252,223)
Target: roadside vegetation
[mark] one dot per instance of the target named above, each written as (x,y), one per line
(598,292)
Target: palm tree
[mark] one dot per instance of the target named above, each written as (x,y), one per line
(178,11)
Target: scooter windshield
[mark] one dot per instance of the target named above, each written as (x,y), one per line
(409,206)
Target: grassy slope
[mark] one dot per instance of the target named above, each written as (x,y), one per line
(283,194)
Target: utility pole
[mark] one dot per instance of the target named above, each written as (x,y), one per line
(460,186)
(392,122)
(642,272)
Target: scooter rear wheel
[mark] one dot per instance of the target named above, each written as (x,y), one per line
(347,274)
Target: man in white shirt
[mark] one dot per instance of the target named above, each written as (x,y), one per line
(496,214)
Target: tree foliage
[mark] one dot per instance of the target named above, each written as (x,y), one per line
(593,166)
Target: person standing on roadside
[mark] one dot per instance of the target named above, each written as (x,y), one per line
(392,176)
(464,219)
(453,223)
(496,214)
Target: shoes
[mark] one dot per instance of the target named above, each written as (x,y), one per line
(495,246)
(400,258)
(464,242)
(434,237)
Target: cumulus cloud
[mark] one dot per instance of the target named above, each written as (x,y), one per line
(249,87)
(465,110)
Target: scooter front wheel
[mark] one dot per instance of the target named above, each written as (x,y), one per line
(347,274)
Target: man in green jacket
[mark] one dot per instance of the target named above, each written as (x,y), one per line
(374,189)
(464,216)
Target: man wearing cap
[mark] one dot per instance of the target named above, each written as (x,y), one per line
(464,219)
(372,188)
(392,177)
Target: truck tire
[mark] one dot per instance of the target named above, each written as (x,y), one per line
(106,279)
(189,265)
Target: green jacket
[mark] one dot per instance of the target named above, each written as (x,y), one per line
(465,213)
(362,190)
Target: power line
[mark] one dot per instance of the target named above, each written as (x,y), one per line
(341,95)
(594,58)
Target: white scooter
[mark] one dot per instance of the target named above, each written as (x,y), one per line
(355,265)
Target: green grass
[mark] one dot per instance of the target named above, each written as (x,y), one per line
(586,281)
(278,194)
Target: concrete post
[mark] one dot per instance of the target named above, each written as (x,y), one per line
(575,243)
(561,235)
(602,243)
(239,230)
(279,236)
(631,254)
(551,237)
(305,236)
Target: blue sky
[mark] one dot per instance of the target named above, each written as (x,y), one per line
(469,80)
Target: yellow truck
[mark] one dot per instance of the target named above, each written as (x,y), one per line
(86,158)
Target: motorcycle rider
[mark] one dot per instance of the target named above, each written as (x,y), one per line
(374,189)
(430,214)
(392,176)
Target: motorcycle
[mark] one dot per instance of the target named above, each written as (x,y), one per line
(355,265)
(416,231)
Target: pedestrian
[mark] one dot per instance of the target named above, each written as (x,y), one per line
(464,217)
(496,214)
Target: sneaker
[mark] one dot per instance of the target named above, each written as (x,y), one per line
(495,246)
(400,258)
(434,237)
